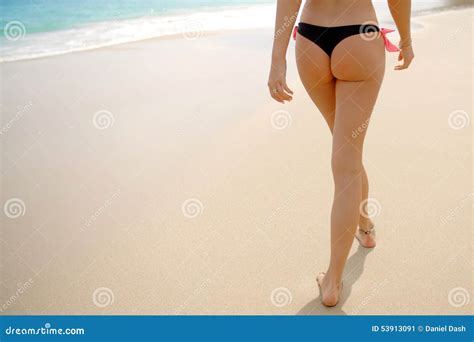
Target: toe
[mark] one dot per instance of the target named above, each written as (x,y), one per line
(320,277)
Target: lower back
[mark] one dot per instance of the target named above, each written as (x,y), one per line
(338,12)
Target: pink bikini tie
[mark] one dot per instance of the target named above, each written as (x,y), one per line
(295,31)
(389,46)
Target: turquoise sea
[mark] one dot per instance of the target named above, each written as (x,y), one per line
(49,15)
(34,28)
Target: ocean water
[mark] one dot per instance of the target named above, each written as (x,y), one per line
(36,28)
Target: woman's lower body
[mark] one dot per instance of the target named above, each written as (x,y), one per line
(343,79)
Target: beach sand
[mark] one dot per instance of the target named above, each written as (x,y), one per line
(156,178)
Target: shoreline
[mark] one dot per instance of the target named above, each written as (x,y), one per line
(205,33)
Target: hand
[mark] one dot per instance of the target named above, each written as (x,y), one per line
(279,90)
(406,55)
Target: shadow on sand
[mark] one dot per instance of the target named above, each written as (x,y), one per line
(353,270)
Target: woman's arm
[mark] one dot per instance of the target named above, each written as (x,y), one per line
(401,13)
(287,13)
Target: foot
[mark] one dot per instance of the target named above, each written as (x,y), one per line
(329,290)
(366,235)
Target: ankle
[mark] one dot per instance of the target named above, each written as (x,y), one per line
(333,278)
(365,224)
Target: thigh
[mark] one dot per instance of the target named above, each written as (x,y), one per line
(354,106)
(314,68)
(359,66)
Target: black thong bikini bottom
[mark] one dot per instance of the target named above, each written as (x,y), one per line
(327,38)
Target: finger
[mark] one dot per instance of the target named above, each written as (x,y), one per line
(287,89)
(282,94)
(400,56)
(272,90)
(275,95)
(403,66)
(400,67)
(288,92)
(277,99)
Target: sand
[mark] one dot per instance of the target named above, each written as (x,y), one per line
(151,179)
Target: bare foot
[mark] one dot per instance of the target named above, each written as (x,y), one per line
(329,290)
(366,234)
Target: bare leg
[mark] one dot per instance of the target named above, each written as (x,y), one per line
(345,89)
(365,223)
(314,67)
(359,75)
